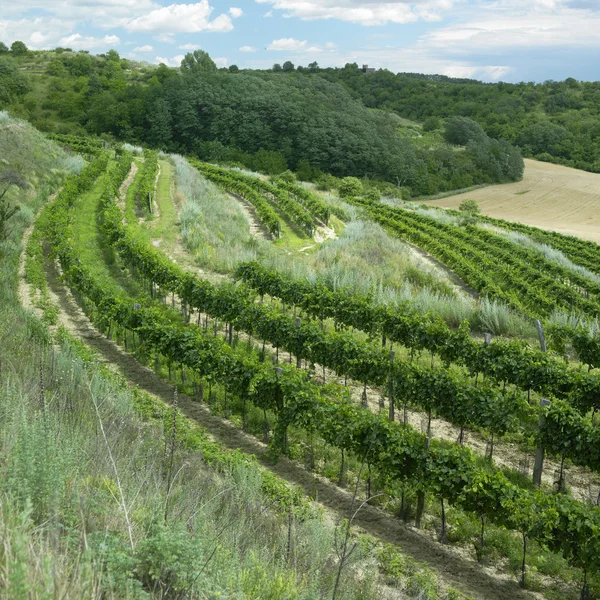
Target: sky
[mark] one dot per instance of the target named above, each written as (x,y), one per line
(490,40)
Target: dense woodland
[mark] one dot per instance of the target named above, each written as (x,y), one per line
(260,119)
(556,121)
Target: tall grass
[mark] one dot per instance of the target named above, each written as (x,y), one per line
(548,252)
(214,228)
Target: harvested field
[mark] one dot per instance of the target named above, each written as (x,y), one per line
(549,196)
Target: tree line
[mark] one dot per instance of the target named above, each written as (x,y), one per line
(259,119)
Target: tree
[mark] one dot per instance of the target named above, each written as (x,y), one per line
(460,131)
(12,81)
(3,48)
(19,48)
(313,67)
(470,206)
(198,61)
(234,69)
(56,68)
(350,186)
(288,66)
(277,68)
(432,123)
(470,210)
(7,210)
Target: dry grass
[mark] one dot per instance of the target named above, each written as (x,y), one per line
(549,196)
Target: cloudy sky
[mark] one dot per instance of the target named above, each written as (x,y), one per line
(509,40)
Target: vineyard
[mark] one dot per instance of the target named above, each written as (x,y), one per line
(351,388)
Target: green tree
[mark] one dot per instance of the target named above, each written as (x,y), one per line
(56,68)
(350,186)
(470,206)
(288,66)
(13,83)
(234,69)
(269,161)
(304,171)
(19,48)
(313,67)
(277,68)
(198,61)
(460,131)
(431,124)
(159,119)
(470,211)
(3,48)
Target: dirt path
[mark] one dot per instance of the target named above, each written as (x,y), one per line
(435,263)
(549,196)
(257,229)
(24,289)
(453,566)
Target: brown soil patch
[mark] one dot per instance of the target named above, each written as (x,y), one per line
(549,196)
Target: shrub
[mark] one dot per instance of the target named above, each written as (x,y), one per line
(350,186)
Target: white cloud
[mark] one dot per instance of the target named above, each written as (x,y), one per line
(268,15)
(101,13)
(220,61)
(37,33)
(170,62)
(366,13)
(190,47)
(180,18)
(508,26)
(287,45)
(236,13)
(292,45)
(247,49)
(143,49)
(80,42)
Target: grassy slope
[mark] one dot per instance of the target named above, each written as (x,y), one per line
(84,481)
(223,531)
(501,543)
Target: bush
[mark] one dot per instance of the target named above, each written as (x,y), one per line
(350,186)
(431,124)
(460,131)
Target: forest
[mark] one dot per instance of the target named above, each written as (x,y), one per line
(261,120)
(554,121)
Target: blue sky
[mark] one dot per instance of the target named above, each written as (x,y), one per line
(509,40)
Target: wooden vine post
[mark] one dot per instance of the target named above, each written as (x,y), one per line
(538,465)
(391,386)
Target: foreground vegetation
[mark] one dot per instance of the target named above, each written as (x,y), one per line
(106,491)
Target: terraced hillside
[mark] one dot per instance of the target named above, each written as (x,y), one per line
(346,351)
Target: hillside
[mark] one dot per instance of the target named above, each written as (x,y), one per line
(549,196)
(261,120)
(238,362)
(555,121)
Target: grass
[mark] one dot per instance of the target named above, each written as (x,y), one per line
(83,487)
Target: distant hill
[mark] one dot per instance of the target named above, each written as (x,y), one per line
(262,120)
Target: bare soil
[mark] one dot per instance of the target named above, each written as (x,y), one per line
(549,196)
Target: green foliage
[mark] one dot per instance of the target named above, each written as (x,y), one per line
(432,124)
(18,48)
(461,130)
(13,83)
(288,66)
(198,62)
(3,48)
(350,186)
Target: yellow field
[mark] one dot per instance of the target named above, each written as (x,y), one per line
(550,197)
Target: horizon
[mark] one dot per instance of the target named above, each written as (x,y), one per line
(489,41)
